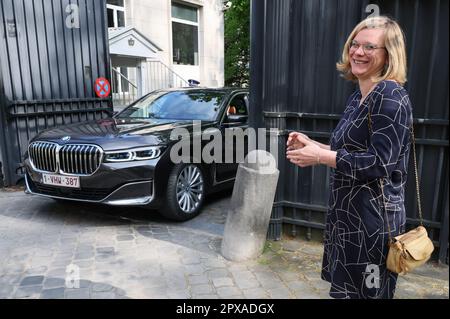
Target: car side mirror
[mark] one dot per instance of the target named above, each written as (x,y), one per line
(237,118)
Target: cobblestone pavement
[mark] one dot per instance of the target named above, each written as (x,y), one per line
(133,253)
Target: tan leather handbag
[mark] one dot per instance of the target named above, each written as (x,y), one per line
(413,248)
(409,251)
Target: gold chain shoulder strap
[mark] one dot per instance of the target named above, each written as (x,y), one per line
(380,181)
(419,205)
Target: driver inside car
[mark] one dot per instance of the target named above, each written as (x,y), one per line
(231,110)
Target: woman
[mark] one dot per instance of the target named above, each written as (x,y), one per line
(365,155)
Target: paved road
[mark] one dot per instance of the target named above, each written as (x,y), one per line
(132,253)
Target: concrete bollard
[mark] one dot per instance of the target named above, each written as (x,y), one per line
(251,205)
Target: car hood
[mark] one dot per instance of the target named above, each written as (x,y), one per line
(113,134)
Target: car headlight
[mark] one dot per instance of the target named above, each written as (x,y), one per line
(138,154)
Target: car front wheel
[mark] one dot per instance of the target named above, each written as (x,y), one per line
(185,192)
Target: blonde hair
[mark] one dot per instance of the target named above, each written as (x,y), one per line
(394,41)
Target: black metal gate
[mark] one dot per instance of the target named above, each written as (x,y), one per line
(51,53)
(295,86)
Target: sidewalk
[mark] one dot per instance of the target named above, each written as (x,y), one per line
(133,253)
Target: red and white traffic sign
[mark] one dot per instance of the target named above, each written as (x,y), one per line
(102,87)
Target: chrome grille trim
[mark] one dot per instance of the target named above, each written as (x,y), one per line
(42,156)
(80,159)
(69,159)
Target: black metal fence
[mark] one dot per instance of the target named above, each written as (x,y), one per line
(295,86)
(51,53)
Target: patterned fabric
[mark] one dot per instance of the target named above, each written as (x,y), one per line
(356,234)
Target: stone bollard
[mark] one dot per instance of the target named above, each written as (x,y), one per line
(251,205)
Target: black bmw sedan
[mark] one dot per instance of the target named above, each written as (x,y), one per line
(128,160)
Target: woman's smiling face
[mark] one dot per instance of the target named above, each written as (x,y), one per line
(367,53)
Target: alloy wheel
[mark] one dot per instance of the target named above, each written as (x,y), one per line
(189,188)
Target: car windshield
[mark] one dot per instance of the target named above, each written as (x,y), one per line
(177,105)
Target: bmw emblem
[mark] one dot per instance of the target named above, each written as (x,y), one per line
(65,138)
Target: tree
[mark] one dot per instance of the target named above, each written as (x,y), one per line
(237,43)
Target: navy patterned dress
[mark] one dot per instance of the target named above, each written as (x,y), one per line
(356,233)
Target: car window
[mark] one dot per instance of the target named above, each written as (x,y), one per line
(238,104)
(177,105)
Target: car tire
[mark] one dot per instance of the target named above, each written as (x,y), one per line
(185,192)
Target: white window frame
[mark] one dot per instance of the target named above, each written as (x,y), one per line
(188,22)
(115,9)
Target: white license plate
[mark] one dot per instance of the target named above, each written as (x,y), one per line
(60,180)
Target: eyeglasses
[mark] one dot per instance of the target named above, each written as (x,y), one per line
(368,48)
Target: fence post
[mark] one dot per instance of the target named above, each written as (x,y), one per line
(3,130)
(1,172)
(443,238)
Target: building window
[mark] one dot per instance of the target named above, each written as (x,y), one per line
(116,13)
(184,34)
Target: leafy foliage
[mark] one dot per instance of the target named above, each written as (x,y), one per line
(237,44)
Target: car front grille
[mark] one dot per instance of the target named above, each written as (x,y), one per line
(79,159)
(76,159)
(43,156)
